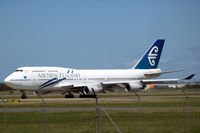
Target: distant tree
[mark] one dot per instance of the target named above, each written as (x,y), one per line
(4,87)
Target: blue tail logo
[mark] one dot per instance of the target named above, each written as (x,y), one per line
(153,55)
(151,58)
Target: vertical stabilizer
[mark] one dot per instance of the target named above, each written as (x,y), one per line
(151,58)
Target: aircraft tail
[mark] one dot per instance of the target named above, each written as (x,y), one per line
(151,58)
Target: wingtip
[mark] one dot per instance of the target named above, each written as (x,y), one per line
(189,77)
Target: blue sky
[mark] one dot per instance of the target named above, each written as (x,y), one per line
(86,34)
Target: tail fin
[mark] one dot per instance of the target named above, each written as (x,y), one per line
(151,58)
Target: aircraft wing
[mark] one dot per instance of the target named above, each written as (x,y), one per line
(160,81)
(144,82)
(149,81)
(158,74)
(107,85)
(166,81)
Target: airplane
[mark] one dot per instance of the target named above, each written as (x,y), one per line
(43,80)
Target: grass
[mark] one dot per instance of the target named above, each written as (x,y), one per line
(162,121)
(152,121)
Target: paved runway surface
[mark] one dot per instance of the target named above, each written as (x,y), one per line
(100,99)
(90,109)
(125,93)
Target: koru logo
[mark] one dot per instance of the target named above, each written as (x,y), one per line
(153,55)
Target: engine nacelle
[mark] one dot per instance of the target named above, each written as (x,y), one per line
(135,86)
(88,90)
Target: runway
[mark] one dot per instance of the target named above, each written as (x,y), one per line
(92,109)
(104,94)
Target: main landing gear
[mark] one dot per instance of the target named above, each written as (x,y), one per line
(23,96)
(69,95)
(86,96)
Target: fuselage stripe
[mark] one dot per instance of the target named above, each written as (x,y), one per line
(51,83)
(48,82)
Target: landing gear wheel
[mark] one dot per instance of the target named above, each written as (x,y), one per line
(69,95)
(87,96)
(23,96)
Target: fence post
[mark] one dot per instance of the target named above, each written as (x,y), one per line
(44,110)
(5,115)
(111,120)
(139,112)
(97,112)
(101,121)
(188,109)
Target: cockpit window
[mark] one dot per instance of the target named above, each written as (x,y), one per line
(19,70)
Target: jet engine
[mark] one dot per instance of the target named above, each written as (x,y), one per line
(88,90)
(135,86)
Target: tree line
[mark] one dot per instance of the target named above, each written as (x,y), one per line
(4,87)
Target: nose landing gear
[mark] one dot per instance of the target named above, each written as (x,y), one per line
(23,96)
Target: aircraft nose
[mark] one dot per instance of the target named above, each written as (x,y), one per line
(7,80)
(12,82)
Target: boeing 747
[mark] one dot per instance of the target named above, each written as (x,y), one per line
(43,80)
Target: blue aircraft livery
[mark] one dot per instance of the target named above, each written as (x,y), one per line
(151,58)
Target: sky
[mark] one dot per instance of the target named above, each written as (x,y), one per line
(99,34)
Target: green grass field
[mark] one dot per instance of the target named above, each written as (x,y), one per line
(152,121)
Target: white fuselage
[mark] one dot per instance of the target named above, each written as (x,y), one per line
(43,80)
(31,78)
